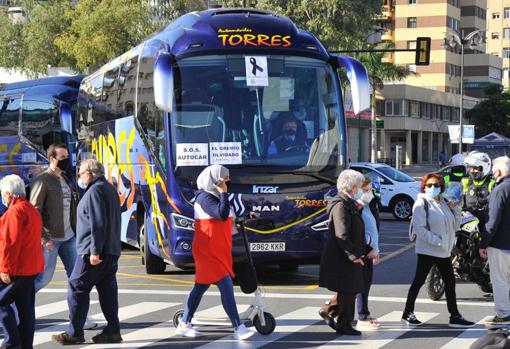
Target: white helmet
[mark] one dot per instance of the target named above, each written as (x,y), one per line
(479,159)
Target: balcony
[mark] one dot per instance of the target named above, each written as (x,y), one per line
(387,35)
(386,13)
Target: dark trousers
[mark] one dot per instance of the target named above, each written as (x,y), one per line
(345,309)
(21,292)
(444,265)
(82,279)
(362,298)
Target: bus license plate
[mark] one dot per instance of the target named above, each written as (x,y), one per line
(267,246)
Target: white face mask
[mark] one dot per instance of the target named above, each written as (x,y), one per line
(367,197)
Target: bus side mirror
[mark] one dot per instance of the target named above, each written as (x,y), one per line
(358,77)
(66,118)
(164,82)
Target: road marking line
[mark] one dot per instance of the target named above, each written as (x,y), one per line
(44,335)
(391,329)
(466,338)
(286,324)
(320,297)
(53,308)
(396,253)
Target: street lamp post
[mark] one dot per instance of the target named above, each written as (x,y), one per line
(472,39)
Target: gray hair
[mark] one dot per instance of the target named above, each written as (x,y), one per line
(502,164)
(14,185)
(348,179)
(93,166)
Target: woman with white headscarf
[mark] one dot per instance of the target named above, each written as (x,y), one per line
(212,250)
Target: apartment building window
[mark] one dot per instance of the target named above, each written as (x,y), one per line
(506,33)
(481,13)
(453,23)
(446,113)
(411,22)
(506,52)
(495,35)
(495,73)
(495,15)
(454,3)
(506,12)
(414,109)
(395,107)
(412,2)
(425,110)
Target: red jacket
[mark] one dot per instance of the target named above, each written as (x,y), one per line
(20,239)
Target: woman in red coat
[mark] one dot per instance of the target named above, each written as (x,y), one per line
(21,259)
(212,250)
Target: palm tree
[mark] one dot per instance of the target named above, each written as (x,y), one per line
(378,73)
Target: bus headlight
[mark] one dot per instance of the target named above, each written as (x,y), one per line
(324,225)
(183,222)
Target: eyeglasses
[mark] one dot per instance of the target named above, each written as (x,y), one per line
(430,185)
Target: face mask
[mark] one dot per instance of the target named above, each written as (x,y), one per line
(358,195)
(367,197)
(82,184)
(4,202)
(476,175)
(432,192)
(290,132)
(64,164)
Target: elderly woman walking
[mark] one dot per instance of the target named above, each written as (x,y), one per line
(21,259)
(341,268)
(434,224)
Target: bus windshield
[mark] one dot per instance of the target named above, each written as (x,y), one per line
(291,121)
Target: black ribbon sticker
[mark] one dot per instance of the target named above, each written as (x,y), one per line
(255,67)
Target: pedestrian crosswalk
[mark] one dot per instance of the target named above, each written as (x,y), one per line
(147,324)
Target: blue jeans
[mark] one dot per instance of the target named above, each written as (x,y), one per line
(227,300)
(66,250)
(83,278)
(21,293)
(362,298)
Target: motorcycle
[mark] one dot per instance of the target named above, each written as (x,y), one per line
(466,261)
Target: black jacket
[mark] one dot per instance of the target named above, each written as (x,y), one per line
(98,225)
(497,233)
(346,242)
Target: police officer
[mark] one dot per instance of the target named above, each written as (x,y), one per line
(477,186)
(456,170)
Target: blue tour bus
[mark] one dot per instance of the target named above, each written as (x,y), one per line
(33,115)
(238,87)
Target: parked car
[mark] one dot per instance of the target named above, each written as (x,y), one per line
(398,190)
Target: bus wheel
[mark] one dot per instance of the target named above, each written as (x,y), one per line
(153,264)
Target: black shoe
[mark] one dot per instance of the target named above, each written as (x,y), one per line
(107,338)
(410,319)
(459,322)
(66,339)
(330,321)
(348,331)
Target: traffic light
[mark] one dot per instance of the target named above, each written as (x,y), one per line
(422,51)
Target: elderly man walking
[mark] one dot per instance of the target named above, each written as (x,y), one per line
(98,245)
(495,243)
(21,259)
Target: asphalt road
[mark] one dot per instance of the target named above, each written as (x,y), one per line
(149,302)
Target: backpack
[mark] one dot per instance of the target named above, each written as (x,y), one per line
(412,235)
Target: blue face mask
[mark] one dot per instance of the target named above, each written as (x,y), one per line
(432,192)
(4,202)
(82,184)
(358,195)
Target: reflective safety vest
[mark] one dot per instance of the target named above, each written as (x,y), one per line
(476,192)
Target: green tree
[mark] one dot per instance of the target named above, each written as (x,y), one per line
(492,114)
(379,72)
(100,30)
(11,49)
(171,10)
(338,24)
(44,22)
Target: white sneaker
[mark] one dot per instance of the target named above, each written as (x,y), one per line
(368,324)
(89,324)
(243,332)
(187,330)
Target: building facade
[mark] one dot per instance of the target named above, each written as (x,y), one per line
(415,113)
(498,34)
